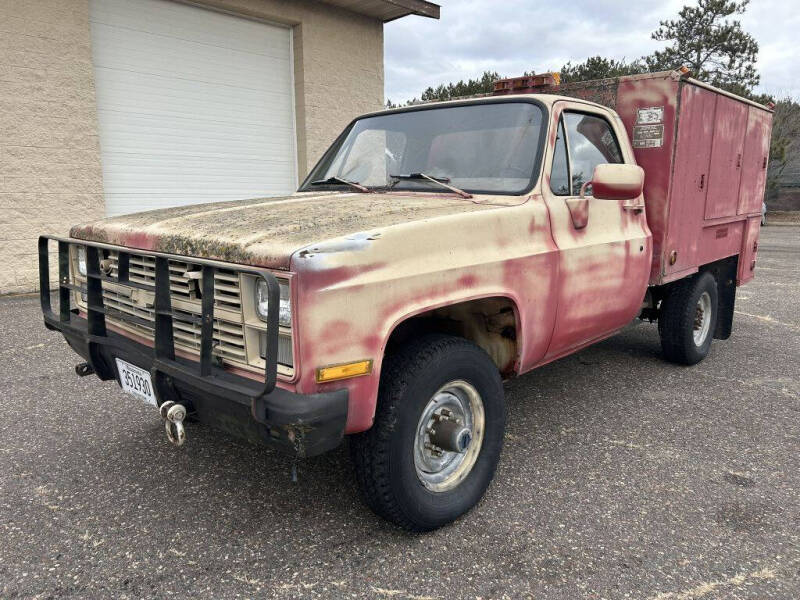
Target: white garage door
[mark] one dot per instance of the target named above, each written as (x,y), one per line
(193,105)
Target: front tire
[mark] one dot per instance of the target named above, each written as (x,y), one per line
(437,392)
(688,319)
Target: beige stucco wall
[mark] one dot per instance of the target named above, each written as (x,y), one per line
(50,175)
(49,154)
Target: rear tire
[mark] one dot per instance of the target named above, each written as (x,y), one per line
(397,479)
(688,319)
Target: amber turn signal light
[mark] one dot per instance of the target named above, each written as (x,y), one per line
(345,371)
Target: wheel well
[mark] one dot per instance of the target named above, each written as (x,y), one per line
(490,323)
(724,272)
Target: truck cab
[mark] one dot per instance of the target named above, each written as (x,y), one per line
(432,252)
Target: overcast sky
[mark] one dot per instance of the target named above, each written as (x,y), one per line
(513,36)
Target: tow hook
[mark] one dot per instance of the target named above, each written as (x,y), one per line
(84,369)
(173,415)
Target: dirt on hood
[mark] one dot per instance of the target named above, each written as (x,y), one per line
(266,232)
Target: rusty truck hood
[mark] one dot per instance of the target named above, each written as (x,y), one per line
(266,232)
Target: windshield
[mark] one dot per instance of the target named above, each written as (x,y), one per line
(489,148)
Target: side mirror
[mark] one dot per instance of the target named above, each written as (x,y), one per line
(616,182)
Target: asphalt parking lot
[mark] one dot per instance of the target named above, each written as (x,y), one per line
(622,477)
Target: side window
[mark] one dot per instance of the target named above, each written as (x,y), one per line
(559,175)
(591,142)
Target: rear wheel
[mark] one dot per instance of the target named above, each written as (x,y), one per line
(688,319)
(437,436)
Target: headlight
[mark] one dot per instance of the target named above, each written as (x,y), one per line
(82,260)
(284,309)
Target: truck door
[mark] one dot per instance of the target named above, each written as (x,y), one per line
(604,245)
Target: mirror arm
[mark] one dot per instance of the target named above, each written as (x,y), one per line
(583,188)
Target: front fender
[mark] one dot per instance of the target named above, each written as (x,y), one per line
(351,299)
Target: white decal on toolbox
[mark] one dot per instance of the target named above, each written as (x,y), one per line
(648,136)
(650,115)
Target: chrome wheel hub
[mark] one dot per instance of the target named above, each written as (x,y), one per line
(449,436)
(702,319)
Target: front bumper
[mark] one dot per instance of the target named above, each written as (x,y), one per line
(305,425)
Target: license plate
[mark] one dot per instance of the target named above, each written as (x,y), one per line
(136,381)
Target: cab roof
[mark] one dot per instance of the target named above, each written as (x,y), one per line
(547,99)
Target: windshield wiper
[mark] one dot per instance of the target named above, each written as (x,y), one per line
(440,181)
(335,179)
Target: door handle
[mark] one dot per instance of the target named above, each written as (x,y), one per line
(636,208)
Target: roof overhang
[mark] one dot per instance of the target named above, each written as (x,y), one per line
(389,10)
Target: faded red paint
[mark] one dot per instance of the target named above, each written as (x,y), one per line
(575,270)
(578,212)
(720,146)
(724,172)
(616,192)
(467,281)
(720,241)
(754,161)
(690,183)
(749,251)
(329,277)
(136,239)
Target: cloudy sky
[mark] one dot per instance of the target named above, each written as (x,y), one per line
(513,36)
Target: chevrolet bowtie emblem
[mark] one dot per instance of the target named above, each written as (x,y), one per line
(106,266)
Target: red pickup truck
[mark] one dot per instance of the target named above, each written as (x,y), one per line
(433,251)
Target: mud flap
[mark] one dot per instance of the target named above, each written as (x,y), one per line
(725,274)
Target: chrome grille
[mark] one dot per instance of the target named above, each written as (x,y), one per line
(226,290)
(185,295)
(142,269)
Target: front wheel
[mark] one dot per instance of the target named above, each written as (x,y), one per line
(437,436)
(688,319)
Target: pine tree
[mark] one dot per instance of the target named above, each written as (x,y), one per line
(482,85)
(597,67)
(714,47)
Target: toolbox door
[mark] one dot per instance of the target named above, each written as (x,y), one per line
(749,254)
(690,178)
(727,151)
(754,167)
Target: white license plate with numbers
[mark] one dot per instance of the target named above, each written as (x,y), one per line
(136,381)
